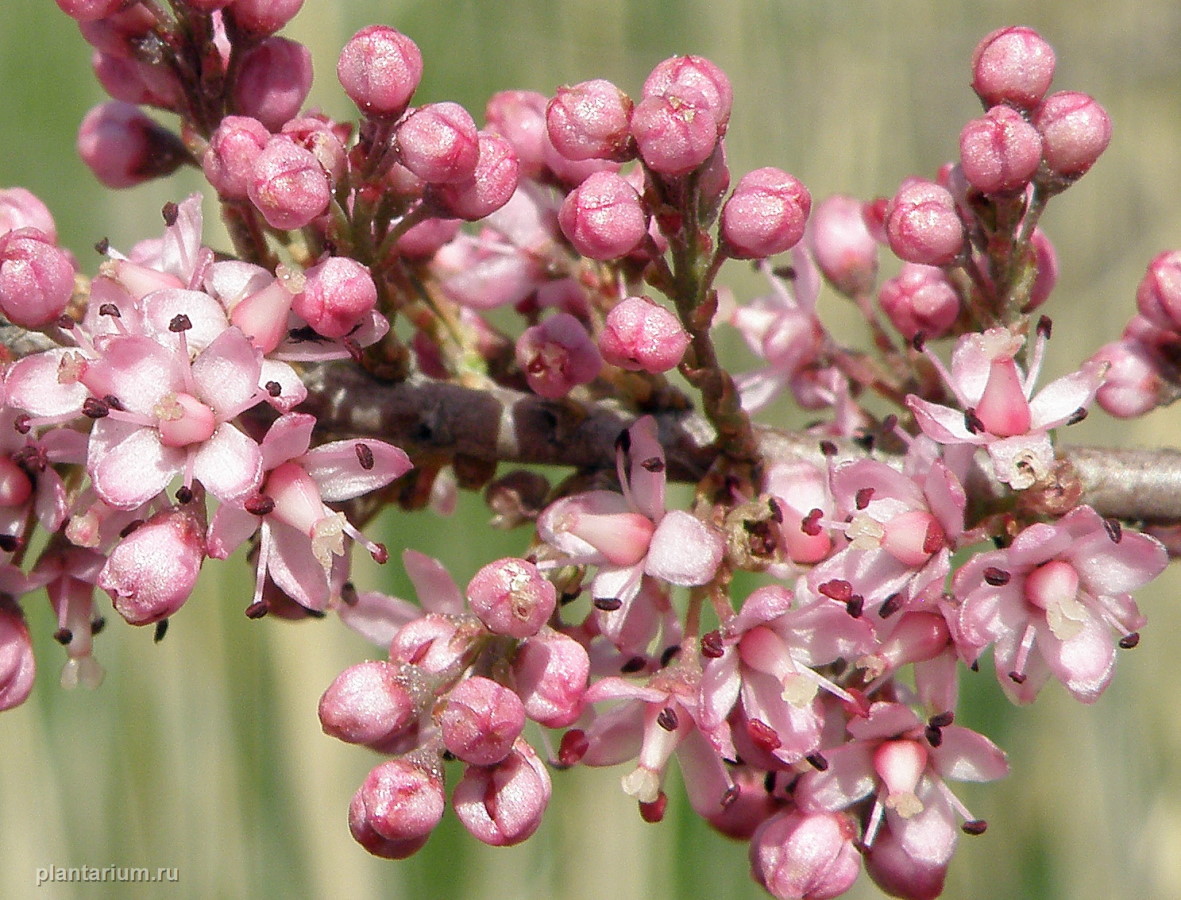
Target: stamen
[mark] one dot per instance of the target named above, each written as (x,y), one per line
(607,604)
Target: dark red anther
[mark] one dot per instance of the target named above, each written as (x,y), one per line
(184,494)
(653,464)
(862,497)
(856,606)
(259,505)
(180,322)
(769,782)
(65,322)
(1017,677)
(114,402)
(93,408)
(934,735)
(130,527)
(891,605)
(941,720)
(1114,530)
(828,448)
(667,719)
(102,246)
(63,636)
(731,794)
(274,389)
(170,212)
(654,812)
(1077,416)
(810,524)
(669,654)
(974,827)
(996,577)
(573,747)
(364,455)
(817,761)
(380,554)
(161,630)
(10,543)
(1044,327)
(22,423)
(1128,641)
(97,625)
(635,664)
(258,609)
(838,589)
(607,604)
(711,645)
(763,734)
(972,422)
(933,539)
(776,510)
(348,594)
(31,459)
(110,309)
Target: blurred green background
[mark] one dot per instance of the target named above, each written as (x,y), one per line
(204,753)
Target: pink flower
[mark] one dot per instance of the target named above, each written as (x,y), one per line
(999,412)
(1052,601)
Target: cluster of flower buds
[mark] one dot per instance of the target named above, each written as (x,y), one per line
(159,424)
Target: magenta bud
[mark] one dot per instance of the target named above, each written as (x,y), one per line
(1075,130)
(503,804)
(550,673)
(132,81)
(423,240)
(922,225)
(364,834)
(1000,151)
(1158,296)
(379,69)
(289,186)
(510,596)
(229,160)
(1012,65)
(920,299)
(481,720)
(123,147)
(590,120)
(263,16)
(490,186)
(1134,385)
(765,215)
(696,75)
(432,642)
(399,801)
(557,356)
(674,133)
(36,278)
(90,10)
(273,82)
(842,245)
(641,335)
(17,666)
(20,208)
(519,117)
(795,854)
(338,295)
(439,143)
(152,571)
(368,703)
(604,217)
(324,139)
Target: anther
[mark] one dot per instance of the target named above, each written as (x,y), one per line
(63,636)
(838,589)
(856,606)
(828,448)
(810,524)
(184,494)
(891,605)
(669,654)
(274,389)
(974,827)
(110,309)
(817,762)
(259,505)
(862,497)
(258,609)
(93,408)
(996,577)
(607,604)
(1077,416)
(711,645)
(1128,641)
(364,455)
(161,630)
(170,212)
(653,464)
(1114,530)
(1044,327)
(972,422)
(180,322)
(667,719)
(10,543)
(635,664)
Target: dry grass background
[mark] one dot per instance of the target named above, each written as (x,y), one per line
(204,752)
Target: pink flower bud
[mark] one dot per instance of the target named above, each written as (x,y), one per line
(399,801)
(17,666)
(922,225)
(367,704)
(1158,296)
(1075,130)
(1012,65)
(364,834)
(152,571)
(433,642)
(684,75)
(489,188)
(263,16)
(273,82)
(503,804)
(1134,385)
(512,597)
(90,10)
(36,278)
(324,139)
(519,117)
(20,208)
(796,855)
(765,215)
(120,33)
(550,672)
(674,133)
(123,147)
(379,69)
(920,299)
(1000,151)
(229,160)
(338,295)
(289,186)
(641,335)
(421,241)
(132,81)
(557,355)
(590,120)
(842,245)
(439,143)
(481,721)
(1046,260)
(604,217)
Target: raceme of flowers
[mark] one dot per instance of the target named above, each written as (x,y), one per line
(157,420)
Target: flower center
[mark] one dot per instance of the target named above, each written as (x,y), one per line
(182,419)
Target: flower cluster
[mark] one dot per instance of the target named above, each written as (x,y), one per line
(177,405)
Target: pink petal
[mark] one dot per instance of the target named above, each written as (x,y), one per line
(1109,568)
(229,464)
(848,778)
(227,373)
(941,423)
(292,390)
(684,550)
(289,436)
(966,755)
(135,369)
(646,478)
(33,385)
(1085,663)
(230,527)
(337,469)
(134,470)
(377,617)
(294,569)
(436,590)
(206,315)
(1061,399)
